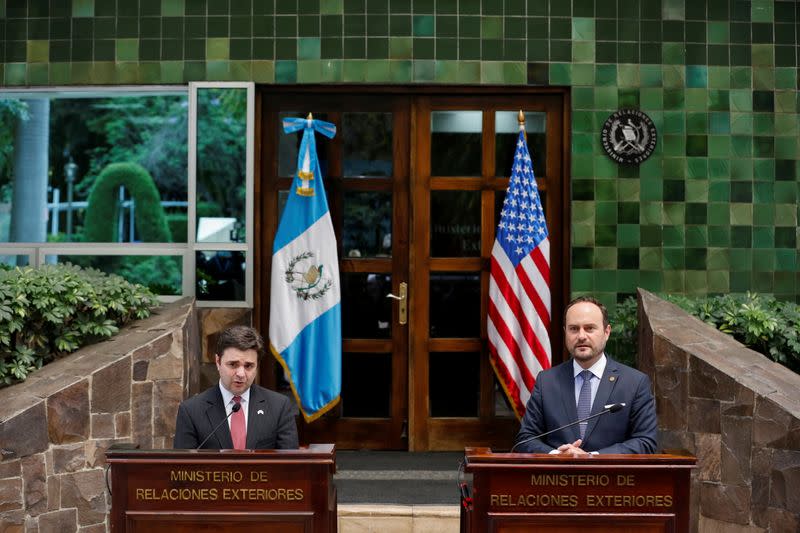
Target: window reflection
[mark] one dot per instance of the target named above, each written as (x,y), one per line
(506,133)
(446,369)
(162,274)
(367,224)
(455,223)
(455,304)
(289,144)
(367,141)
(456,143)
(220,275)
(366,311)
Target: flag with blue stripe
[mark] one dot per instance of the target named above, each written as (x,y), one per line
(305,329)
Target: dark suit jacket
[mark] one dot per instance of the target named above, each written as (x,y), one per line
(270,421)
(633,429)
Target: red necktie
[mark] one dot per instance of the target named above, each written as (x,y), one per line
(238,429)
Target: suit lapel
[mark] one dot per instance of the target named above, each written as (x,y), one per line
(567,387)
(216,414)
(607,384)
(255,416)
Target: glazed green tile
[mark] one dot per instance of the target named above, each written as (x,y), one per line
(127,72)
(786,147)
(308,48)
(218,70)
(763,55)
(606,98)
(582,280)
(674,167)
(741,214)
(560,74)
(354,48)
(285,71)
(378,71)
(763,78)
(582,98)
(741,123)
(469,72)
(422,25)
(354,70)
(785,78)
(785,214)
(785,260)
(650,258)
(673,259)
(651,99)
(491,72)
(331,7)
(583,29)
(650,76)
(762,11)
(583,52)
(240,70)
(170,71)
(696,123)
(606,212)
(763,215)
(785,101)
(742,146)
(674,99)
(58,74)
(106,72)
(786,124)
(629,191)
(514,73)
(697,168)
(651,212)
(172,8)
(719,77)
(583,235)
(38,51)
(696,100)
(425,70)
(719,236)
(149,72)
(606,190)
(37,74)
(673,53)
(217,49)
(582,75)
(127,49)
(446,49)
(583,213)
(605,235)
(401,47)
(764,170)
(719,146)
(718,282)
(741,100)
(674,122)
(628,235)
(491,27)
(674,214)
(582,166)
(309,71)
(741,78)
(82,8)
(627,75)
(674,145)
(605,257)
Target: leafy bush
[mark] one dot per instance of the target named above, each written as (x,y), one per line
(762,323)
(48,312)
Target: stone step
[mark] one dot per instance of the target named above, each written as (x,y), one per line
(363,518)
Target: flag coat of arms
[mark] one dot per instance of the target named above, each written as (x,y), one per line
(305,330)
(519,286)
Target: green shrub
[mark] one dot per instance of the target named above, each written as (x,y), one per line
(762,323)
(51,311)
(103,211)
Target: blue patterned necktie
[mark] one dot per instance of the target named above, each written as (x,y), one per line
(585,400)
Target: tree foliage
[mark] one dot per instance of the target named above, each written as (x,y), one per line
(51,311)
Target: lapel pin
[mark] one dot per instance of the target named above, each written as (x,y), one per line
(612,379)
(261,411)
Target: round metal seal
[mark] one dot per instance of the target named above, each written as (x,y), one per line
(628,136)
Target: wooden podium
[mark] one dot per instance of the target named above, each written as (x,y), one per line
(174,491)
(516,492)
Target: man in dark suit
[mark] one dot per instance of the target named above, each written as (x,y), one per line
(566,393)
(265,419)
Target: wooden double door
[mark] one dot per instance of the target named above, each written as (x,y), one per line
(415,178)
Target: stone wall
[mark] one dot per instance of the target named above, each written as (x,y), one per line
(56,426)
(733,408)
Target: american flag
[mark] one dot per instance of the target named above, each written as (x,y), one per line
(519,286)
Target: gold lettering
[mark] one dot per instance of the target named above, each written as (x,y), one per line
(625,480)
(259,477)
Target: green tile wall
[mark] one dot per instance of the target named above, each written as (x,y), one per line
(714,210)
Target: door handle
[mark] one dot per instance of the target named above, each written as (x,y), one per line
(402,302)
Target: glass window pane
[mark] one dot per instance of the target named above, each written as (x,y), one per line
(456,143)
(289,144)
(64,169)
(366,311)
(367,224)
(506,133)
(455,223)
(162,274)
(367,140)
(366,385)
(12,261)
(220,275)
(221,164)
(502,409)
(446,369)
(455,304)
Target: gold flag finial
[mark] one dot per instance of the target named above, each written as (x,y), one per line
(309,117)
(521,120)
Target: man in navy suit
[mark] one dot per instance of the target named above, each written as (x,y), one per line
(556,397)
(268,417)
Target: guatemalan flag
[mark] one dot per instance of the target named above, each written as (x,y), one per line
(305,330)
(519,285)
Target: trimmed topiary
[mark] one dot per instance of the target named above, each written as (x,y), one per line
(103,211)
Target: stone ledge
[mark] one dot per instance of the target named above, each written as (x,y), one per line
(363,518)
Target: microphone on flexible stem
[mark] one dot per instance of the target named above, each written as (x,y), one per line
(610,408)
(234,409)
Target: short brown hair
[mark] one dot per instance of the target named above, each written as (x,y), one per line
(242,338)
(590,300)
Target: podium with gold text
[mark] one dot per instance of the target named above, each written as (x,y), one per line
(175,491)
(515,492)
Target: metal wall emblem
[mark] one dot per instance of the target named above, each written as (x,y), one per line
(628,136)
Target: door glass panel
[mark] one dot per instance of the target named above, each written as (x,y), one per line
(367,140)
(221,164)
(220,275)
(455,223)
(289,144)
(367,224)
(455,304)
(456,143)
(454,384)
(366,311)
(506,133)
(366,385)
(502,409)
(162,274)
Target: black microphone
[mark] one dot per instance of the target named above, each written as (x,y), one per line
(234,409)
(610,408)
